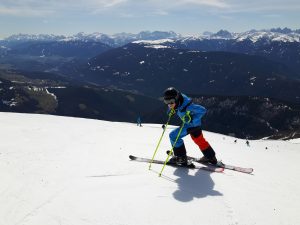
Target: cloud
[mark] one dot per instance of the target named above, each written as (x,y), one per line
(24,11)
(228,5)
(266,5)
(42,7)
(141,7)
(212,3)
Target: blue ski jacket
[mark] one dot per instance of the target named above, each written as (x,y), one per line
(191,115)
(188,108)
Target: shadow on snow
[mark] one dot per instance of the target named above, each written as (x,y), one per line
(199,185)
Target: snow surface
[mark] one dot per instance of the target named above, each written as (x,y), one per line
(154,43)
(61,170)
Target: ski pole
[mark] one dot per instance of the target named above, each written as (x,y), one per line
(171,152)
(170,115)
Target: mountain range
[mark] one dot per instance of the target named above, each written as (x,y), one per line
(119,39)
(135,66)
(279,45)
(95,75)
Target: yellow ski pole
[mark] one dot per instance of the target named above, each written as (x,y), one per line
(170,115)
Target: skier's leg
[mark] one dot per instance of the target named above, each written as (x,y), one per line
(179,147)
(206,149)
(173,135)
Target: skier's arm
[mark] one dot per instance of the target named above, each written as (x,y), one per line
(196,112)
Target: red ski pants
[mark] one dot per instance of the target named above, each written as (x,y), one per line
(201,142)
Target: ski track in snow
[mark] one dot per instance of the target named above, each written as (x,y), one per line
(60,170)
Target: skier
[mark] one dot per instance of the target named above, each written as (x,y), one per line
(247,143)
(139,121)
(191,115)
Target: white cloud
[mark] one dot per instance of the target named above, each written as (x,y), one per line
(24,11)
(272,16)
(266,5)
(112,3)
(40,7)
(228,5)
(140,7)
(212,3)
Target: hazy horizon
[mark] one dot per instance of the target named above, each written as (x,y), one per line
(187,17)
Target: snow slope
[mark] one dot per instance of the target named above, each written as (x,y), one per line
(70,171)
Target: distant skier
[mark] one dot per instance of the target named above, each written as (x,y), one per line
(247,143)
(139,121)
(191,115)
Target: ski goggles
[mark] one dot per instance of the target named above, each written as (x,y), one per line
(169,101)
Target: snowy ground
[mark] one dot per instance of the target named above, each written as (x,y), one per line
(70,171)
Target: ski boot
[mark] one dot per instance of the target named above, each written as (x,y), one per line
(213,160)
(178,160)
(181,161)
(209,156)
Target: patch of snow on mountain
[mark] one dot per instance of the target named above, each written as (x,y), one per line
(271,36)
(154,42)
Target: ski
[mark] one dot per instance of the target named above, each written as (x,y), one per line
(223,165)
(192,166)
(220,164)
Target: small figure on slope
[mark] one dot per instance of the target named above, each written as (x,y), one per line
(247,143)
(139,122)
(191,115)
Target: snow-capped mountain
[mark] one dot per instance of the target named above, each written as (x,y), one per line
(255,36)
(114,40)
(34,37)
(276,46)
(285,35)
(252,35)
(282,45)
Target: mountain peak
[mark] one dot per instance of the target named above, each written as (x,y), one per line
(223,34)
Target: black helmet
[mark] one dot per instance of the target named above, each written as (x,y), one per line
(171,94)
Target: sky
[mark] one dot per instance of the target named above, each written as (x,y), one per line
(187,17)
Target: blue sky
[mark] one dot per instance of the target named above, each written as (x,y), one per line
(188,17)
